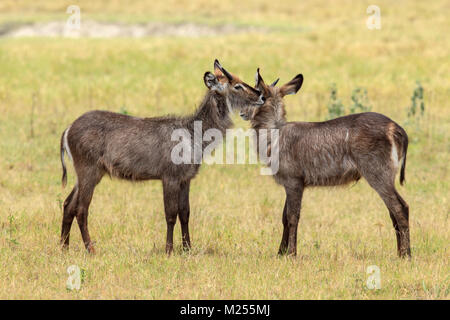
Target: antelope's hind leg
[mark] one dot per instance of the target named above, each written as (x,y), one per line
(399,212)
(384,185)
(69,212)
(402,217)
(86,185)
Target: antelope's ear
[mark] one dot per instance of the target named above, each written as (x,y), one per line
(219,70)
(211,81)
(259,82)
(292,86)
(260,85)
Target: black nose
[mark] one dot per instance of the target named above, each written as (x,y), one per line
(263,99)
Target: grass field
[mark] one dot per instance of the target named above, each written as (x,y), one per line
(46,83)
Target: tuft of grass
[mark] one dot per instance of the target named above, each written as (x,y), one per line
(416,112)
(123,110)
(360,103)
(417,100)
(335,107)
(12,230)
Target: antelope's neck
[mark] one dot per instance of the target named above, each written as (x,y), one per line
(213,113)
(267,133)
(267,124)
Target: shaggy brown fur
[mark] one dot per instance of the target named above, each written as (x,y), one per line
(131,148)
(332,153)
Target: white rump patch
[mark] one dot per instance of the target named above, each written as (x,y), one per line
(66,145)
(394,155)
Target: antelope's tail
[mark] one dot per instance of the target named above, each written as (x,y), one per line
(63,145)
(401,139)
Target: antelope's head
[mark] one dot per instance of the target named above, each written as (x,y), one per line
(238,94)
(273,109)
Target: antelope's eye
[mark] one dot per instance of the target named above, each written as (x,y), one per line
(238,87)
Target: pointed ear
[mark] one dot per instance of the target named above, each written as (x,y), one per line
(211,81)
(292,86)
(219,70)
(259,83)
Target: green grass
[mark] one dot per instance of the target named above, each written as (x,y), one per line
(235,212)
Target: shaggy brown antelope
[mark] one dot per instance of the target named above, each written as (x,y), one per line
(331,153)
(136,149)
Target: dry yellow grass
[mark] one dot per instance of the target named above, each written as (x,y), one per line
(235,212)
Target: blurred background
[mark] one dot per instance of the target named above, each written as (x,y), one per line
(147,58)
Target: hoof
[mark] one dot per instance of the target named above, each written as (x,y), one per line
(90,249)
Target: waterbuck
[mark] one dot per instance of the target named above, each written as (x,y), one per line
(136,149)
(331,153)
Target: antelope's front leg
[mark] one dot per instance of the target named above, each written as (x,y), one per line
(171,190)
(285,238)
(183,213)
(294,201)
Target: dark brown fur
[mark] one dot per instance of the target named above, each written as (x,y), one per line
(331,153)
(137,149)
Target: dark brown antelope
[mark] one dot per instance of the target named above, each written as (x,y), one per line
(136,149)
(331,153)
